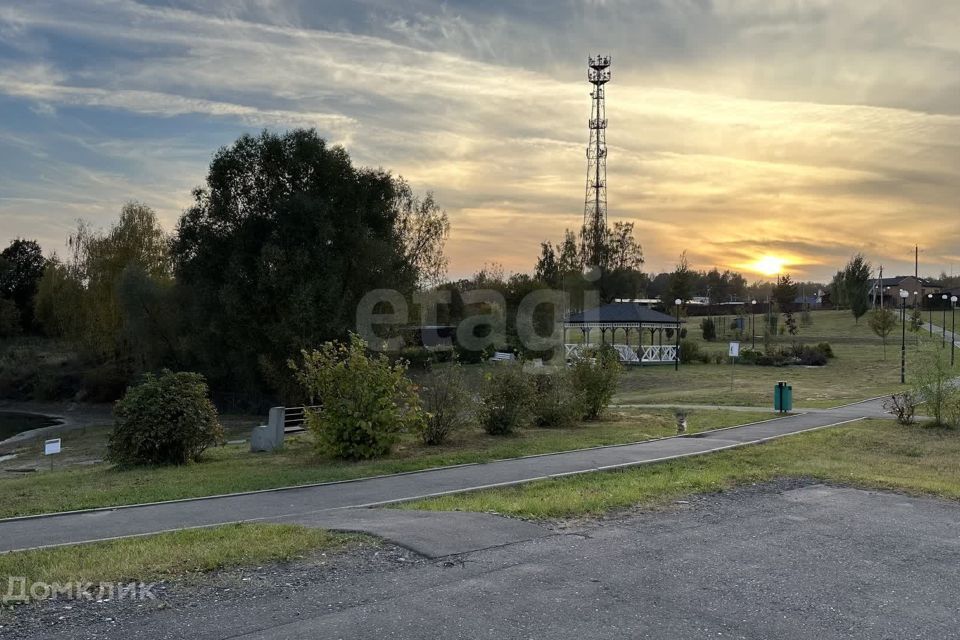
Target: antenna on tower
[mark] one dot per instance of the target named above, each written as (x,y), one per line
(595,201)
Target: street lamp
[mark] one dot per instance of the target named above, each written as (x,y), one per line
(953,328)
(903,337)
(676,357)
(930,312)
(943,342)
(753,329)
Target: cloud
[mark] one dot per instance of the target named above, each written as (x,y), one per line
(810,129)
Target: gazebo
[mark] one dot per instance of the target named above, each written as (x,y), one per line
(633,320)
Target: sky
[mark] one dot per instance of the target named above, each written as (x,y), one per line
(752,134)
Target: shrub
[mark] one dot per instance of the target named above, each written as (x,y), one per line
(415,358)
(446,404)
(166,419)
(689,351)
(903,406)
(709,329)
(826,349)
(365,402)
(933,384)
(470,356)
(811,356)
(596,377)
(719,358)
(506,399)
(558,401)
(104,382)
(10,323)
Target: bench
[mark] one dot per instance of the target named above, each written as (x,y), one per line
(502,356)
(280,422)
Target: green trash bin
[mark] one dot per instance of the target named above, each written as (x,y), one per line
(782,397)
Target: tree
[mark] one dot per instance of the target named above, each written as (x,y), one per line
(882,322)
(785,291)
(621,249)
(280,246)
(838,290)
(547,269)
(916,320)
(81,298)
(784,294)
(856,285)
(423,228)
(681,282)
(21,267)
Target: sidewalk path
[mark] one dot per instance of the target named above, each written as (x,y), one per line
(324,504)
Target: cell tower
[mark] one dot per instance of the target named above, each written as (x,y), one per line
(595,201)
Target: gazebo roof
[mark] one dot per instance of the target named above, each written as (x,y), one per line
(621,313)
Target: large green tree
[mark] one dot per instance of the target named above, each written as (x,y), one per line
(282,243)
(21,267)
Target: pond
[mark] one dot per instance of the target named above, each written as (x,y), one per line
(13,422)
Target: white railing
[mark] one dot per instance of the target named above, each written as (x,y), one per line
(659,353)
(627,353)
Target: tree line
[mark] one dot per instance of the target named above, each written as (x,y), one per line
(272,256)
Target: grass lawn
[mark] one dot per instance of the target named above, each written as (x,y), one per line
(233,468)
(873,453)
(859,370)
(166,555)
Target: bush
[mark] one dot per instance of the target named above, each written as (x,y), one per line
(365,402)
(705,358)
(558,401)
(933,385)
(470,356)
(903,406)
(689,351)
(416,358)
(826,349)
(104,382)
(709,329)
(596,375)
(10,322)
(446,404)
(506,399)
(166,419)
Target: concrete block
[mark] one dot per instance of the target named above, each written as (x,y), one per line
(262,439)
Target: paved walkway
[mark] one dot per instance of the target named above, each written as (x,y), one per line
(324,504)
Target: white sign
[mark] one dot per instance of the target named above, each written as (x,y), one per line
(51,447)
(734,350)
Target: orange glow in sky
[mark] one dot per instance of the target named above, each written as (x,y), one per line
(768,265)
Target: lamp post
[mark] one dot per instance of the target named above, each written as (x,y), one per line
(903,336)
(953,328)
(753,329)
(676,357)
(930,312)
(943,342)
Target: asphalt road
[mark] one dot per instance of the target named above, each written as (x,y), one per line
(778,561)
(305,503)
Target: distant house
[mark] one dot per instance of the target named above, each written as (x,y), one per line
(811,300)
(886,292)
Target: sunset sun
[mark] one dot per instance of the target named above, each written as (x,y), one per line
(769,265)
